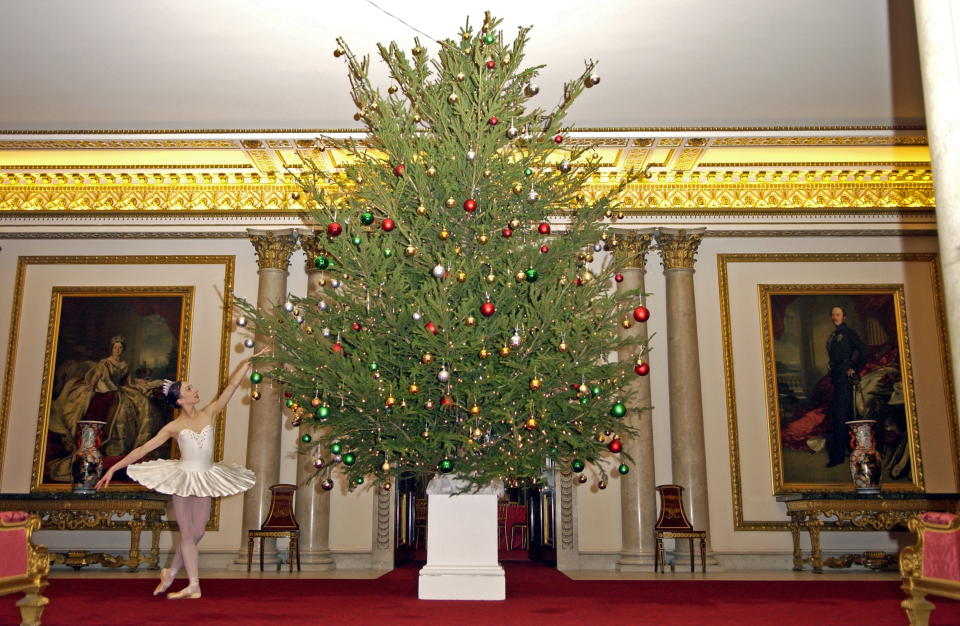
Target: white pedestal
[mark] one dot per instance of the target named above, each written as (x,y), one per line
(462,549)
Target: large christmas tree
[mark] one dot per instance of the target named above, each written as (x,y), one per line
(464,326)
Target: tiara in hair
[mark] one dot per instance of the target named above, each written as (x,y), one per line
(166,385)
(118,339)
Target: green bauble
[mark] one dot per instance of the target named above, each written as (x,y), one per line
(366,218)
(596,390)
(618,409)
(306,438)
(356,241)
(446,466)
(349,458)
(336,448)
(373,366)
(532,275)
(359,480)
(387,253)
(623,469)
(577,465)
(256,378)
(584,399)
(489,38)
(321,262)
(528,172)
(323,412)
(289,403)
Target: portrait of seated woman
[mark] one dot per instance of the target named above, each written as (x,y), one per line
(104,391)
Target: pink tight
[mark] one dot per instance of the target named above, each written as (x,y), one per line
(192,515)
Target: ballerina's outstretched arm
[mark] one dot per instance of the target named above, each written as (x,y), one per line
(137,453)
(235,379)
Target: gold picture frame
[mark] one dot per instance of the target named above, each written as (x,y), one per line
(803,399)
(108,351)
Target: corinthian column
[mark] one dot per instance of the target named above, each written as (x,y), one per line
(938,22)
(678,249)
(273,248)
(312,504)
(638,504)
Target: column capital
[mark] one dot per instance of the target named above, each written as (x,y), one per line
(678,246)
(312,242)
(633,245)
(273,247)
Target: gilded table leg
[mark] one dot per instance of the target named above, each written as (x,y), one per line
(795,533)
(155,527)
(136,525)
(816,558)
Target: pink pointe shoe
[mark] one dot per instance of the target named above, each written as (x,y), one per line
(166,579)
(190,592)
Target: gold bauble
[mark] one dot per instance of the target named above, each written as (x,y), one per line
(416,119)
(339,52)
(471,320)
(431,171)
(484,353)
(427,358)
(601,438)
(421,210)
(357,116)
(626,322)
(452,98)
(620,215)
(520,277)
(425,434)
(477,433)
(391,401)
(409,251)
(487,173)
(315,401)
(359,180)
(483,239)
(413,388)
(417,51)
(490,278)
(374,106)
(255,394)
(461,276)
(308,330)
(386,466)
(428,404)
(515,224)
(583,388)
(444,234)
(588,258)
(517,188)
(461,76)
(392,89)
(505,351)
(563,347)
(586,277)
(608,214)
(531,423)
(535,384)
(563,281)
(450,203)
(475,410)
(295,406)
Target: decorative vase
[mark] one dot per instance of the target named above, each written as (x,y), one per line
(864,459)
(87,460)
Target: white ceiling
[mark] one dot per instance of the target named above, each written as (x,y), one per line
(248,64)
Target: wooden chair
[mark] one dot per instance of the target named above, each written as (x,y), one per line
(502,523)
(673,524)
(23,566)
(280,522)
(420,521)
(522,527)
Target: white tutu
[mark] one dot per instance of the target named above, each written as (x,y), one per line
(194,474)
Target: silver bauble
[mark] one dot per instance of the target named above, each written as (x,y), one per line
(439,271)
(337,458)
(417,316)
(564,166)
(241,321)
(515,340)
(325,332)
(248,343)
(471,155)
(323,306)
(288,306)
(592,79)
(335,283)
(513,132)
(443,375)
(533,196)
(531,90)
(597,247)
(299,319)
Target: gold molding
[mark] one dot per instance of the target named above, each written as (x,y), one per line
(273,249)
(678,247)
(634,245)
(723,261)
(23,263)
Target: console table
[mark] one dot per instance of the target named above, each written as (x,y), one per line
(130,511)
(813,511)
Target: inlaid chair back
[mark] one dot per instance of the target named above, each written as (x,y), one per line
(672,523)
(280,522)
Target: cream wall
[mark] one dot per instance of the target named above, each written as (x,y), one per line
(598,511)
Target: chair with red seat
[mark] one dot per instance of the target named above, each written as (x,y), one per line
(23,566)
(280,522)
(673,524)
(931,565)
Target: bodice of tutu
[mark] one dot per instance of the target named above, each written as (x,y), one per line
(196,449)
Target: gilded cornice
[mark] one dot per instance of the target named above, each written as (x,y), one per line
(678,247)
(273,248)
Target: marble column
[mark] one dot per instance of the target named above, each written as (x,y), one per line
(938,22)
(638,500)
(312,504)
(678,248)
(273,248)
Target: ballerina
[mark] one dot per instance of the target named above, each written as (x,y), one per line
(193,480)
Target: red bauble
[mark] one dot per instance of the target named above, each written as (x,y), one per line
(642,369)
(487,309)
(470,205)
(432,327)
(641,313)
(615,446)
(387,224)
(543,228)
(618,278)
(544,249)
(578,282)
(493,121)
(399,169)
(506,232)
(337,347)
(334,229)
(446,401)
(357,327)
(491,64)
(558,139)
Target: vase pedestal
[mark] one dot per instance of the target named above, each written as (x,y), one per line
(462,549)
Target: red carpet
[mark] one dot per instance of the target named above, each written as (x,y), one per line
(535,595)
